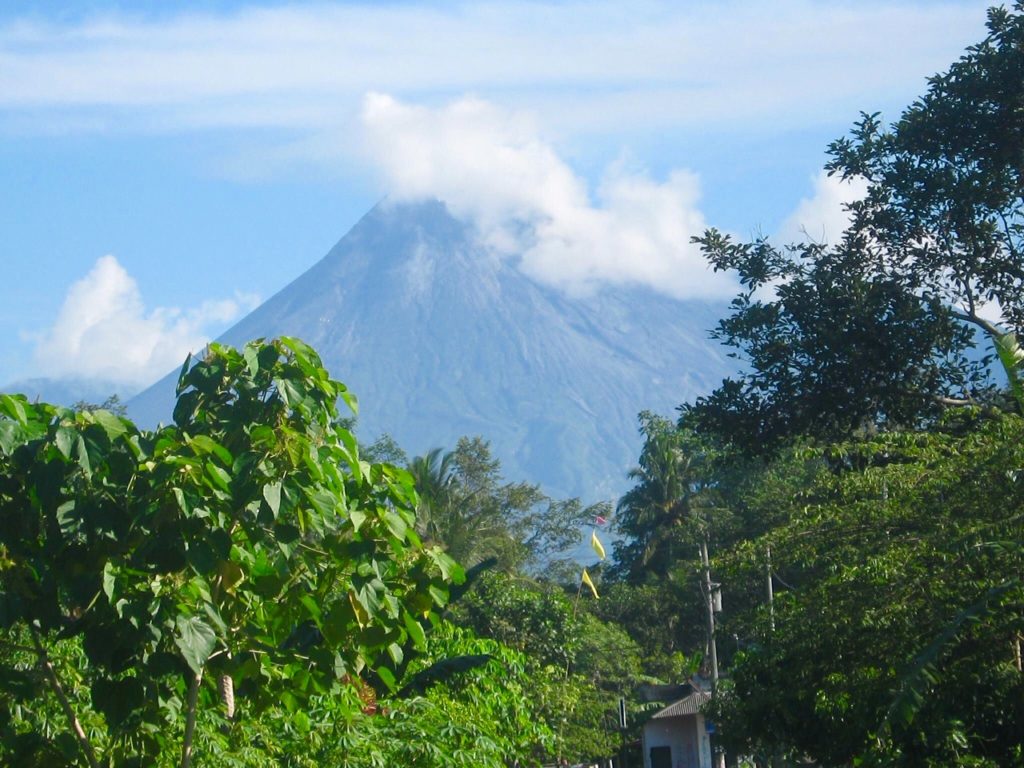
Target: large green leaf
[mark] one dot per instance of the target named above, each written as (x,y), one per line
(196,641)
(65,440)
(272,495)
(204,444)
(113,425)
(415,630)
(14,407)
(1012,356)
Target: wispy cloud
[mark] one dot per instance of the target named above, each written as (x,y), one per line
(580,65)
(493,168)
(104,331)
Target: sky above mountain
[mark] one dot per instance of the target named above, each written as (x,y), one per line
(164,166)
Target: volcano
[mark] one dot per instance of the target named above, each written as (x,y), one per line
(440,337)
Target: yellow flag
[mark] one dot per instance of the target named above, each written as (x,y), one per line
(589,583)
(597,545)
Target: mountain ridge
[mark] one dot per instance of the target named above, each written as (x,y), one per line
(439,337)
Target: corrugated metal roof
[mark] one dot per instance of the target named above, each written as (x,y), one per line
(690,705)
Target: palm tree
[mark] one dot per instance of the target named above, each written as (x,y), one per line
(434,477)
(463,506)
(672,495)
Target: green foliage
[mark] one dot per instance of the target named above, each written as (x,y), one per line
(536,619)
(899,605)
(582,716)
(607,656)
(674,503)
(579,665)
(247,542)
(665,621)
(482,718)
(467,508)
(877,330)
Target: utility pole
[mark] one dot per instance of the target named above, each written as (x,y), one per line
(712,604)
(776,758)
(622,730)
(709,601)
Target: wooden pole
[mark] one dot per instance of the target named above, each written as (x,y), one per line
(719,757)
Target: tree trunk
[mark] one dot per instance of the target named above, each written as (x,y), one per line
(190,720)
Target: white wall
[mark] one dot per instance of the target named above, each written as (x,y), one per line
(686,736)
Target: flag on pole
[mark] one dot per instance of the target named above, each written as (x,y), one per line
(597,545)
(589,583)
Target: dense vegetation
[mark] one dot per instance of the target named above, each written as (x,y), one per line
(251,586)
(869,455)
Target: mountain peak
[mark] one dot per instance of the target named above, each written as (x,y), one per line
(439,337)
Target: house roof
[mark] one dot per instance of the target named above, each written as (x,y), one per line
(651,692)
(688,705)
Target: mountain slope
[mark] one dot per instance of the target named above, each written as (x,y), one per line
(439,338)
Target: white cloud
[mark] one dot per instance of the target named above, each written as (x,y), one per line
(492,167)
(582,66)
(822,217)
(104,331)
(991,311)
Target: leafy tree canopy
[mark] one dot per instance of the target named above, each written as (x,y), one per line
(677,500)
(244,557)
(877,331)
(468,508)
(895,635)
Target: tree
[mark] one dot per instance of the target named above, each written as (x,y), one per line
(944,211)
(579,664)
(536,619)
(242,559)
(834,352)
(468,508)
(112,404)
(897,621)
(672,502)
(878,330)
(673,513)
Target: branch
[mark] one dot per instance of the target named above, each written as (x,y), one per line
(953,401)
(939,399)
(972,317)
(65,703)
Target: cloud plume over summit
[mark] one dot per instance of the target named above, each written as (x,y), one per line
(491,167)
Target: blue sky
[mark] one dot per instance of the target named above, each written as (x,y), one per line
(163,167)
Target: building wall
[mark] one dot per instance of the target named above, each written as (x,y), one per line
(686,736)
